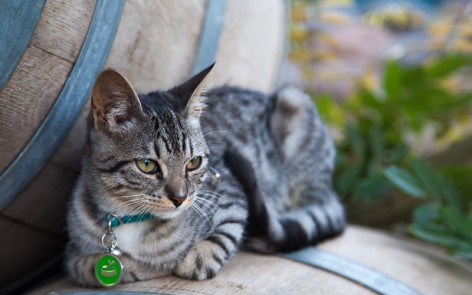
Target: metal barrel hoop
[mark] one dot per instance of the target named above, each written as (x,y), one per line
(371,279)
(70,102)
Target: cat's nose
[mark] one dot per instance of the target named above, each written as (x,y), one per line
(177,197)
(177,200)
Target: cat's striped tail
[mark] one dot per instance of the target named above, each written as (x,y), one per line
(268,231)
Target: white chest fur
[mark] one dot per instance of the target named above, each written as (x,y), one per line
(129,236)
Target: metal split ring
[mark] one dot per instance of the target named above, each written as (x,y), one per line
(109,241)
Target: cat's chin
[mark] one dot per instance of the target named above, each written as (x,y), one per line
(168,214)
(172,212)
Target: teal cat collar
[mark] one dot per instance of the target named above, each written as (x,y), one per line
(116,221)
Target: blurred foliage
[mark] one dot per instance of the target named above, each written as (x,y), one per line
(375,154)
(377,125)
(381,127)
(445,217)
(396,17)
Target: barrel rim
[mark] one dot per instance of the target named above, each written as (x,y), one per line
(212,27)
(373,280)
(18,21)
(69,104)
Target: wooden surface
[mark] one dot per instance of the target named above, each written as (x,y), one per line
(422,268)
(63,27)
(33,224)
(260,25)
(43,70)
(17,249)
(18,20)
(155,43)
(154,47)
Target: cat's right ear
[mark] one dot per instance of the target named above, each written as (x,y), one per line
(115,104)
(187,98)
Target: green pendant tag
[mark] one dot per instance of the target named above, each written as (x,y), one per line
(109,270)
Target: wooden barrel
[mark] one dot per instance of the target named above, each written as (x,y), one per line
(50,54)
(382,264)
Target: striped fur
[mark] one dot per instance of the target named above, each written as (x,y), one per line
(280,152)
(273,153)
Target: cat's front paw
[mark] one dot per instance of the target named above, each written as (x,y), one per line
(135,271)
(202,262)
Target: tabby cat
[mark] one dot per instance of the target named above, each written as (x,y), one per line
(243,167)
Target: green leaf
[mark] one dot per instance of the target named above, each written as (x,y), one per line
(324,104)
(347,179)
(425,214)
(392,80)
(356,141)
(448,64)
(369,99)
(427,177)
(404,181)
(443,226)
(466,254)
(461,178)
(414,78)
(458,222)
(451,194)
(372,188)
(397,153)
(438,235)
(374,167)
(376,142)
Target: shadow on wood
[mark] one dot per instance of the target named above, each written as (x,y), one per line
(416,265)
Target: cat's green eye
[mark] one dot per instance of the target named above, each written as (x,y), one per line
(194,163)
(147,166)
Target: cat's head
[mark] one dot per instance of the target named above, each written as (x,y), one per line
(146,154)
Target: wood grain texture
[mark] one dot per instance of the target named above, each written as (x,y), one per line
(63,27)
(15,247)
(251,45)
(69,104)
(426,270)
(43,203)
(18,20)
(41,73)
(155,43)
(416,264)
(27,98)
(154,47)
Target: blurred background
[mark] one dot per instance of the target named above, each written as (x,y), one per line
(393,81)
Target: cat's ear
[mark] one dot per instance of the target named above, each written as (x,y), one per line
(187,98)
(115,104)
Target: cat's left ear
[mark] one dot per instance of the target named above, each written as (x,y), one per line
(187,98)
(115,104)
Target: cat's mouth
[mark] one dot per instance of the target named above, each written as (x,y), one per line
(159,206)
(166,209)
(165,204)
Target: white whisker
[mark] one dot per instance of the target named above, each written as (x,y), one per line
(200,199)
(218,131)
(208,206)
(211,194)
(202,216)
(215,141)
(200,213)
